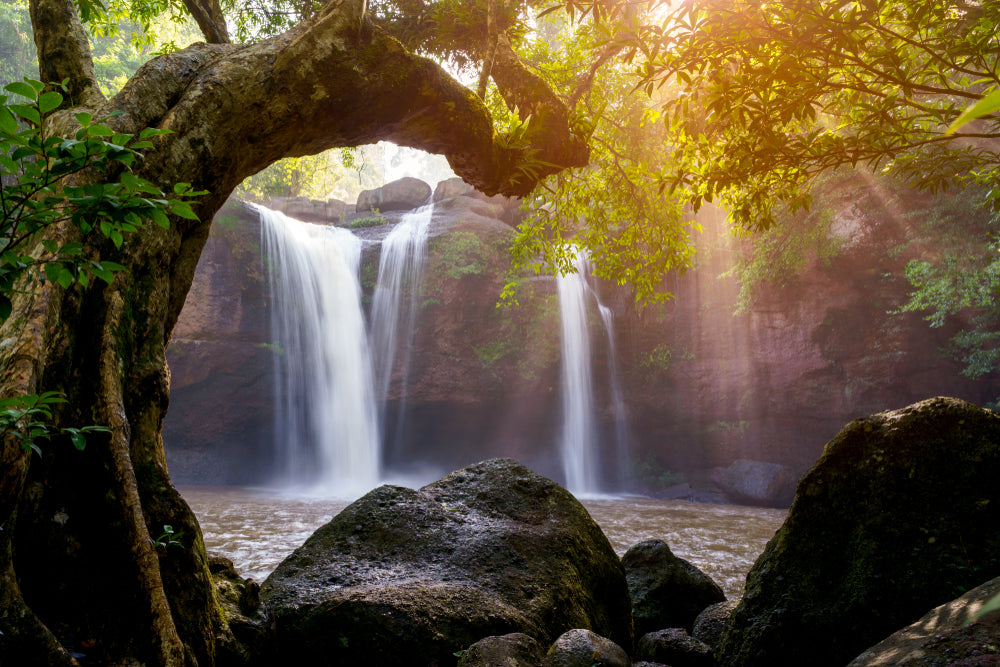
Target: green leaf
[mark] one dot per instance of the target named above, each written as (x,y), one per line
(159,217)
(65,278)
(23,89)
(983,107)
(6,307)
(52,272)
(84,118)
(8,124)
(100,131)
(182,209)
(102,272)
(27,112)
(49,101)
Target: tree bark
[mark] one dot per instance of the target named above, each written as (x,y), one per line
(77,565)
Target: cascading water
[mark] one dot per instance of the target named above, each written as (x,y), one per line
(327,424)
(617,398)
(579,444)
(400,270)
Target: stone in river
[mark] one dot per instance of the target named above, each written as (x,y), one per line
(583,648)
(666,591)
(404,577)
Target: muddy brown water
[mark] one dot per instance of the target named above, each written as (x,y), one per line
(258,529)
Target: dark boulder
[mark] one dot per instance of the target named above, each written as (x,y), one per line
(674,647)
(666,591)
(513,650)
(405,577)
(583,648)
(401,195)
(954,633)
(759,483)
(713,622)
(896,517)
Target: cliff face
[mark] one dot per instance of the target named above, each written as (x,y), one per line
(702,387)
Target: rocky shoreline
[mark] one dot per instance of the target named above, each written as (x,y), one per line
(496,566)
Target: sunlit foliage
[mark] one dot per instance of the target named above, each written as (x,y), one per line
(764,96)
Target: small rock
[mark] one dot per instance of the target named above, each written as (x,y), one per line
(666,591)
(713,621)
(583,648)
(676,648)
(513,650)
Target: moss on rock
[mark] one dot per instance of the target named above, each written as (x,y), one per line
(898,515)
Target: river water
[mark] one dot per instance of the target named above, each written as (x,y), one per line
(258,529)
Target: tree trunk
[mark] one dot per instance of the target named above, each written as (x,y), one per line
(78,563)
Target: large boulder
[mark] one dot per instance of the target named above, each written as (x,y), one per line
(897,516)
(666,591)
(400,195)
(954,631)
(453,187)
(759,483)
(404,577)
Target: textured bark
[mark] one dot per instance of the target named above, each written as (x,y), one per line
(75,549)
(208,14)
(63,50)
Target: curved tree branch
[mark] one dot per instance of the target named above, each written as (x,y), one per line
(208,14)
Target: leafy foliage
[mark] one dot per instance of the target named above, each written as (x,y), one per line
(36,195)
(614,208)
(761,97)
(28,419)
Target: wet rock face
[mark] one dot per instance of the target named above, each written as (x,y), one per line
(404,577)
(890,522)
(219,429)
(956,633)
(666,591)
(759,483)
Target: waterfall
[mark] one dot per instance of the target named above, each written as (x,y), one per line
(579,442)
(617,399)
(400,271)
(327,424)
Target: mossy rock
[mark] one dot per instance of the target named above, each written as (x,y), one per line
(897,516)
(404,577)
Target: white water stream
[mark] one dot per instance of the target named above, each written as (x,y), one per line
(400,273)
(580,438)
(327,426)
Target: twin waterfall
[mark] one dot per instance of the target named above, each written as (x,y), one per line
(334,371)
